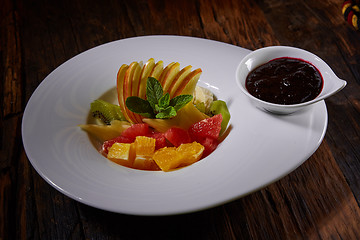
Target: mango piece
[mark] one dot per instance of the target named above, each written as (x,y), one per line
(185,117)
(106,132)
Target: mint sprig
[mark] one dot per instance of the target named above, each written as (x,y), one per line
(154,91)
(157,104)
(140,106)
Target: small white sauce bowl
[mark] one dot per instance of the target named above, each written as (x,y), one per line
(331,83)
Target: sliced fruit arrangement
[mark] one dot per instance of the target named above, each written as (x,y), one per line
(164,121)
(131,81)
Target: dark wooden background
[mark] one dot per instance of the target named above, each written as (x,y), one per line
(319,200)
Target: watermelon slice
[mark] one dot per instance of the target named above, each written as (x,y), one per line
(207,128)
(210,145)
(177,136)
(160,140)
(206,132)
(139,129)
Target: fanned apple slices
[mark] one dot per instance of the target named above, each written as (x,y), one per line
(131,81)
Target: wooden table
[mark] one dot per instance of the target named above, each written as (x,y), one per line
(319,200)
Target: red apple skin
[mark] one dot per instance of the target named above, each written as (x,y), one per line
(188,84)
(120,88)
(127,88)
(178,80)
(145,73)
(158,69)
(165,72)
(170,76)
(141,87)
(134,91)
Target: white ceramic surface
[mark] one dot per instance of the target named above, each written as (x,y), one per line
(260,147)
(332,84)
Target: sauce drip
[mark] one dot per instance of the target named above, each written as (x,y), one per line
(285,81)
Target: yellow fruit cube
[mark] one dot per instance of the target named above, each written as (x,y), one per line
(167,158)
(144,150)
(122,153)
(144,146)
(191,152)
(184,118)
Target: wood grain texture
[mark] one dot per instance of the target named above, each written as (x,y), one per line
(319,200)
(11,67)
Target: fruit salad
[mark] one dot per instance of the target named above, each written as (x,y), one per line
(163,119)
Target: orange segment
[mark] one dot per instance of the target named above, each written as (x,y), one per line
(144,150)
(144,146)
(169,158)
(191,152)
(121,153)
(145,163)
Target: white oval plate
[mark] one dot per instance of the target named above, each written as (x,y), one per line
(260,148)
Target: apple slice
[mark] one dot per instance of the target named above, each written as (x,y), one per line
(120,89)
(188,85)
(131,80)
(145,72)
(135,84)
(135,81)
(157,70)
(168,77)
(165,72)
(178,80)
(127,89)
(140,89)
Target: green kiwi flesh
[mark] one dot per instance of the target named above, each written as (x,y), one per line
(106,112)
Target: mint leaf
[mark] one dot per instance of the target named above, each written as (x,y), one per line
(139,106)
(164,100)
(168,112)
(159,109)
(180,101)
(154,91)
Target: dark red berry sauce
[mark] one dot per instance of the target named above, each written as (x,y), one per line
(285,81)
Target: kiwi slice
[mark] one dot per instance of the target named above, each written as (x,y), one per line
(220,107)
(106,112)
